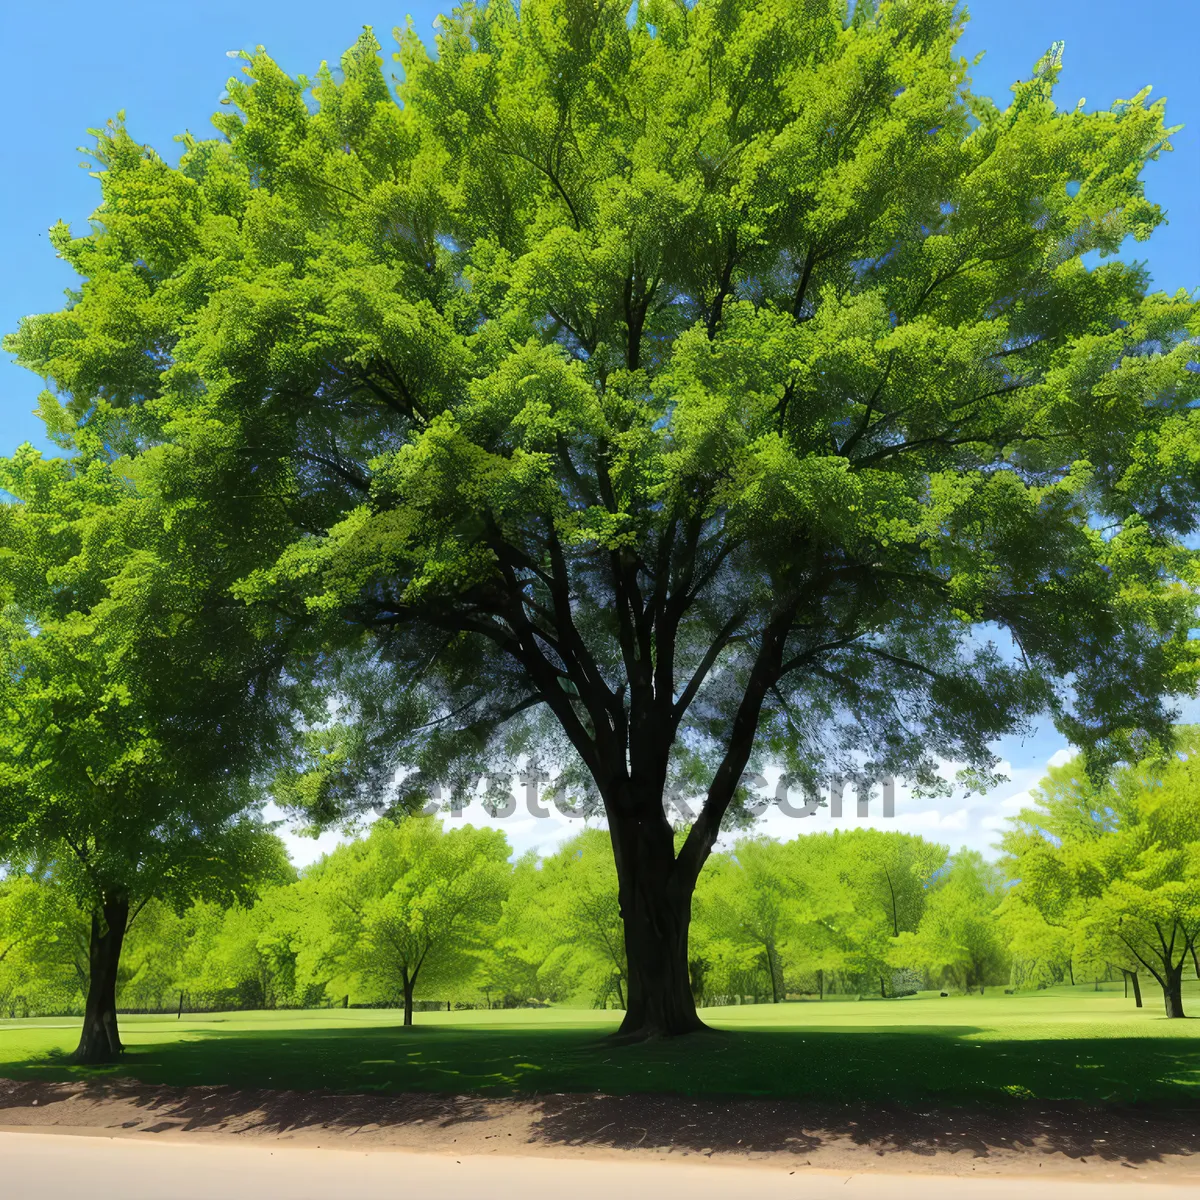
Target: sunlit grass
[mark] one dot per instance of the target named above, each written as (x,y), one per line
(1059,1044)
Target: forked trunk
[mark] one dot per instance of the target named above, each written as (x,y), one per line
(656,908)
(99,1041)
(1173,991)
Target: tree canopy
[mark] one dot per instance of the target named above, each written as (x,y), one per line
(114,775)
(655,393)
(408,904)
(1115,864)
(958,937)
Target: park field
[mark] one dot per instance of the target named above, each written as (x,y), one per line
(1062,1044)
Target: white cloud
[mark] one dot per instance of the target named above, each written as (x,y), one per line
(956,820)
(1015,803)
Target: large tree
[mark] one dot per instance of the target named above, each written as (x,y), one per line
(657,390)
(118,775)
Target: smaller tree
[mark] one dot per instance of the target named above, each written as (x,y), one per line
(409,905)
(255,953)
(747,906)
(959,939)
(153,956)
(43,946)
(824,939)
(577,917)
(1041,951)
(888,877)
(1116,862)
(23,917)
(511,967)
(120,774)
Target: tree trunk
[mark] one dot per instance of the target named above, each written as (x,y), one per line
(1071,971)
(656,903)
(773,967)
(1173,991)
(882,989)
(99,1041)
(408,998)
(820,984)
(1137,989)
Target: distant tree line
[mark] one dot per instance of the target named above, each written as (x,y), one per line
(413,914)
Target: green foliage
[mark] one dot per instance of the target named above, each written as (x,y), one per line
(1041,952)
(1115,864)
(886,881)
(113,774)
(747,906)
(771,915)
(408,905)
(43,947)
(472,927)
(959,940)
(573,919)
(653,393)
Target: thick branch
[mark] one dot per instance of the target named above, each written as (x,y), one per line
(763,674)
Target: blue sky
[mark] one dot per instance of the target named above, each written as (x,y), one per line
(71,66)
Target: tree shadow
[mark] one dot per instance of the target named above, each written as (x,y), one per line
(1113,1133)
(922,1091)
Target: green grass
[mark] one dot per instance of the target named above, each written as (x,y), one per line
(1062,1044)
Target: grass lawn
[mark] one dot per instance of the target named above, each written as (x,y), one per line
(1062,1044)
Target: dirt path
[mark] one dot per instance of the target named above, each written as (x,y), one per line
(1053,1142)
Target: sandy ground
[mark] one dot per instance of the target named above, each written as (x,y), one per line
(53,1167)
(1060,1142)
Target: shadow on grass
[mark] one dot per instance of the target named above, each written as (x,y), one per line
(926,1091)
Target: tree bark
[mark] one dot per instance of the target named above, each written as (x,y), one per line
(99,1040)
(408,998)
(1137,989)
(1173,991)
(773,967)
(656,901)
